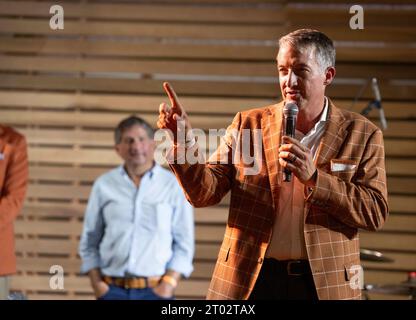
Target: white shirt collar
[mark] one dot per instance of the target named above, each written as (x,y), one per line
(150,172)
(318,125)
(324,115)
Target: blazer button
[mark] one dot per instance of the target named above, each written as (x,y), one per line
(260,260)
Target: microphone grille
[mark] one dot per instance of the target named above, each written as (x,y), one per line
(290,109)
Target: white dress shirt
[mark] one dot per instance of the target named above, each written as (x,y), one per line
(137,231)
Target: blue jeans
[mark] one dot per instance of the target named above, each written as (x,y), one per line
(119,293)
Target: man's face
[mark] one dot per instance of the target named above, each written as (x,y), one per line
(300,76)
(135,147)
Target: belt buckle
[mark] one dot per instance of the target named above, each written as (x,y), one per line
(128,283)
(138,283)
(144,283)
(135,283)
(289,267)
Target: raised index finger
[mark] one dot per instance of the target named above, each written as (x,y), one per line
(173,98)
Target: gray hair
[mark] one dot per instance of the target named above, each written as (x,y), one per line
(308,38)
(129,122)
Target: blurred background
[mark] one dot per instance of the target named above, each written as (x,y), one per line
(65,90)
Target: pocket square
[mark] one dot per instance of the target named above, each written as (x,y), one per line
(342,165)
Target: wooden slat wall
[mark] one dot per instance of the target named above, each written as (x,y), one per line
(67,89)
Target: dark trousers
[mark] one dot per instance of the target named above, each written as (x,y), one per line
(278,281)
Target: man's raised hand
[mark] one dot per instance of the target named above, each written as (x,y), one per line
(174,117)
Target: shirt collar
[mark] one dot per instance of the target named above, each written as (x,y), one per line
(320,123)
(150,172)
(324,115)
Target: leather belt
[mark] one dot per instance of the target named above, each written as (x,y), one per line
(132,283)
(291,267)
(296,267)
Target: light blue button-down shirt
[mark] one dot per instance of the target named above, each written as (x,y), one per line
(144,231)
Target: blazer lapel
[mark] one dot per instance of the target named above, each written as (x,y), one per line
(271,124)
(332,139)
(333,136)
(331,142)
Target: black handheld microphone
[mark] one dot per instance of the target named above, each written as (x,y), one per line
(377,101)
(290,113)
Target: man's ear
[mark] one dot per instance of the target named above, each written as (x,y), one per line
(329,75)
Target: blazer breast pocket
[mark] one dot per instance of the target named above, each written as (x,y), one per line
(343,169)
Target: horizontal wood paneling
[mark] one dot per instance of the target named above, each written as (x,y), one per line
(151,29)
(401,91)
(66,90)
(148,12)
(346,51)
(382,71)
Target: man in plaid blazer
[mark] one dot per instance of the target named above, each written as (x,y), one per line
(13,184)
(297,239)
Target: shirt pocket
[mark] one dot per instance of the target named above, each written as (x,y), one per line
(164,216)
(156,216)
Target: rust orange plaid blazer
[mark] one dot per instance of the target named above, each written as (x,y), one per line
(346,198)
(13,183)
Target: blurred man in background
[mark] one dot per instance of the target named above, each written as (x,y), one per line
(138,236)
